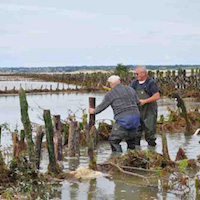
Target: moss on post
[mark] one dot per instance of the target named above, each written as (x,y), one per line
(50,144)
(38,145)
(27,125)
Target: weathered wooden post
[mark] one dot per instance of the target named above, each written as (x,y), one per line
(27,125)
(57,137)
(72,138)
(165,147)
(181,105)
(0,134)
(77,143)
(50,87)
(92,104)
(57,87)
(90,142)
(16,145)
(65,134)
(49,137)
(23,145)
(22,136)
(38,145)
(6,89)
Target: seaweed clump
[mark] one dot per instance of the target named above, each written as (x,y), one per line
(145,159)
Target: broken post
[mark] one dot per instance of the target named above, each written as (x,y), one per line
(165,147)
(57,137)
(38,145)
(65,134)
(181,105)
(77,143)
(72,138)
(27,125)
(16,145)
(49,137)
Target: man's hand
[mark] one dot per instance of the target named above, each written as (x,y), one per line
(153,98)
(91,110)
(143,101)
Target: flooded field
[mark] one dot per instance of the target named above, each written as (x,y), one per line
(31,85)
(64,104)
(122,186)
(108,188)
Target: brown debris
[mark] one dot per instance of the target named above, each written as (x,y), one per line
(180,155)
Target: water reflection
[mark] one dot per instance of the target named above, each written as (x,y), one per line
(101,188)
(63,104)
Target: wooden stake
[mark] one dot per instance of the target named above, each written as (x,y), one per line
(38,145)
(49,137)
(27,125)
(0,134)
(90,133)
(16,145)
(92,103)
(165,147)
(72,138)
(57,137)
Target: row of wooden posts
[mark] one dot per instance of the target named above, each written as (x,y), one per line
(41,88)
(54,137)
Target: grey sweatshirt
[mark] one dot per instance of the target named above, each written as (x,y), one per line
(123,100)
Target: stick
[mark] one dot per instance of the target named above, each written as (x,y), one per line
(140,169)
(128,173)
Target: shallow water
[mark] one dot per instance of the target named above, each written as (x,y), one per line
(121,186)
(113,188)
(64,104)
(31,85)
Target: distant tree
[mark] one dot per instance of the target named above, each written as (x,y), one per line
(122,70)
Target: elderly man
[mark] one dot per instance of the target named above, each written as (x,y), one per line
(124,102)
(148,93)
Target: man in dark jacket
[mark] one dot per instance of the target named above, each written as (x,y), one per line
(148,93)
(124,102)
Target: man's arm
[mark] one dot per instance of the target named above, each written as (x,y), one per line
(151,99)
(102,106)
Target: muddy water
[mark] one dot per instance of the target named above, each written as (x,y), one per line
(115,188)
(64,104)
(124,187)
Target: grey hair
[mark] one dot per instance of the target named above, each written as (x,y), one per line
(142,68)
(113,79)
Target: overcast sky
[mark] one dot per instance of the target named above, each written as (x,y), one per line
(37,33)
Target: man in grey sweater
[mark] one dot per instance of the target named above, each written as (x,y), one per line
(124,102)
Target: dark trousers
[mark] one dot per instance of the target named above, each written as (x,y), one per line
(148,125)
(119,133)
